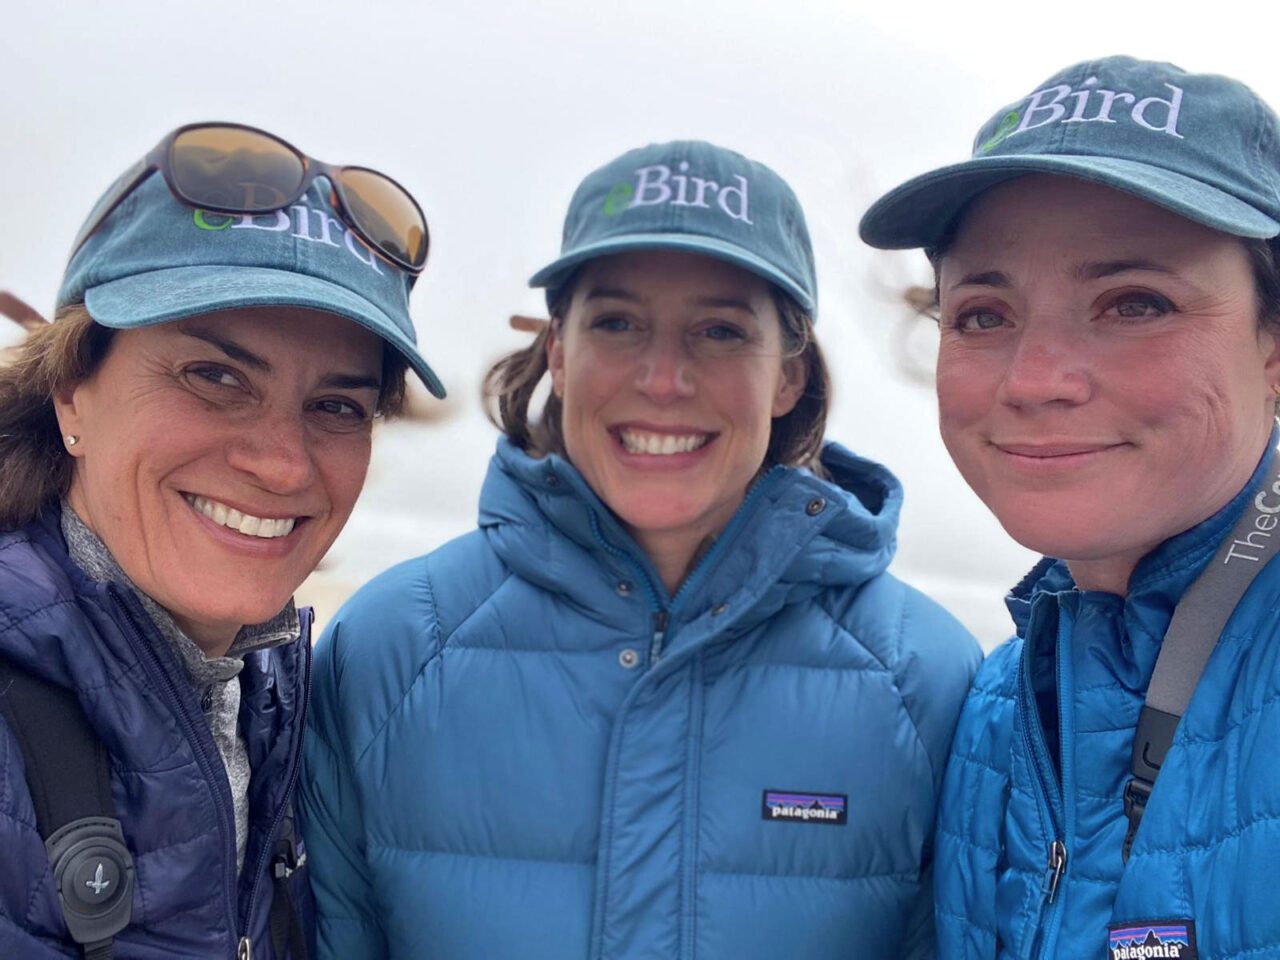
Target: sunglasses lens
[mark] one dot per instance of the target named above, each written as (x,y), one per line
(234,169)
(386,214)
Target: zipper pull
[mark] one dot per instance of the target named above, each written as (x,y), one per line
(245,950)
(1057,866)
(659,635)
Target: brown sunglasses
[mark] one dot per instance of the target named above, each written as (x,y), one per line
(230,168)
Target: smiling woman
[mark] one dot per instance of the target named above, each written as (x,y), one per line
(667,700)
(178,450)
(1107,269)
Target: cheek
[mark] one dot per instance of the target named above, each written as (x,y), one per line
(344,466)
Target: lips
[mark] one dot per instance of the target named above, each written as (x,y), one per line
(1053,451)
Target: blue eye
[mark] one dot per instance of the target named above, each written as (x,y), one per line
(219,376)
(611,322)
(724,331)
(977,320)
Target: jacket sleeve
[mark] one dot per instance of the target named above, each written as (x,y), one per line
(329,811)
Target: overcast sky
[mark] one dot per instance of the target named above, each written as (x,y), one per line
(490,113)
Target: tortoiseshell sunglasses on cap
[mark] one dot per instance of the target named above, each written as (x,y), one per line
(230,168)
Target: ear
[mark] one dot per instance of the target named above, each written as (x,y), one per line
(790,386)
(1271,350)
(555,355)
(67,408)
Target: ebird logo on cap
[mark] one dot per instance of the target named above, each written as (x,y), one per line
(657,184)
(1050,105)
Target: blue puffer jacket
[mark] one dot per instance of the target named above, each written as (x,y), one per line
(168,784)
(521,747)
(1208,851)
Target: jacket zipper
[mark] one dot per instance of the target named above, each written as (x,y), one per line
(151,658)
(295,768)
(1049,797)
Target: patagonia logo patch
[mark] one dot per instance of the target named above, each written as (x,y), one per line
(799,806)
(1153,938)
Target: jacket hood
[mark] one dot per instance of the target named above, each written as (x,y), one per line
(793,534)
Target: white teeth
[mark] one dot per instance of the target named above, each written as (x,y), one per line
(661,444)
(221,514)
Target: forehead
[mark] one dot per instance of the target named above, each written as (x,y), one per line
(1045,216)
(650,273)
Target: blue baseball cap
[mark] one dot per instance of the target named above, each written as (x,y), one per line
(1200,145)
(155,259)
(694,196)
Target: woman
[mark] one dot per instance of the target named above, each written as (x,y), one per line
(178,449)
(1109,293)
(666,701)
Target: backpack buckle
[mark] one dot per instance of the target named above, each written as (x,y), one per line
(93,873)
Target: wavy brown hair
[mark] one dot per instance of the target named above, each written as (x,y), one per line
(795,440)
(35,468)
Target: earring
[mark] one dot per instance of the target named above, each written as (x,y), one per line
(71,439)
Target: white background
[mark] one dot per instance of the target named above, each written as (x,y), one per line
(490,112)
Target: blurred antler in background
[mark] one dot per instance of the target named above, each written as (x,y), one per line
(20,312)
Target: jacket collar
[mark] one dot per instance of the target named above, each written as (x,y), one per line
(1157,583)
(792,533)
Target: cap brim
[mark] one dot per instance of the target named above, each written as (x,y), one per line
(918,213)
(160,296)
(555,273)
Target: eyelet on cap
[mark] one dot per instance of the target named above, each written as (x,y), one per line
(551,479)
(815,506)
(628,658)
(623,588)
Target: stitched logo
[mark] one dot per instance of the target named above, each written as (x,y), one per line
(797,806)
(1153,939)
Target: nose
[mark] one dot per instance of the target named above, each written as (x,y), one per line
(1047,366)
(275,450)
(665,370)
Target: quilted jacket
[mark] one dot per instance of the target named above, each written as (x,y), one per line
(521,748)
(1206,859)
(168,785)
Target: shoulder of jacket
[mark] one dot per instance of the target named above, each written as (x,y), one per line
(905,630)
(30,581)
(382,639)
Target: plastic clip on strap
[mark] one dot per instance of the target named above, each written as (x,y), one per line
(1198,621)
(286,927)
(69,779)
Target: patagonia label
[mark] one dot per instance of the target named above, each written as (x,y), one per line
(799,806)
(1153,938)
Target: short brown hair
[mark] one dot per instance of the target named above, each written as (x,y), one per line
(35,469)
(795,440)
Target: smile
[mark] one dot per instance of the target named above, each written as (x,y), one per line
(661,444)
(265,528)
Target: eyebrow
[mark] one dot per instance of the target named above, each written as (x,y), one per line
(617,293)
(332,381)
(1094,270)
(1109,268)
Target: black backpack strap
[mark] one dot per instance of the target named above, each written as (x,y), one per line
(1198,621)
(286,925)
(69,776)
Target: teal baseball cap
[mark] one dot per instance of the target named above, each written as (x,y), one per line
(1203,146)
(154,259)
(694,196)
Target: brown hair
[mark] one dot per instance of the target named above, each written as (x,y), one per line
(35,468)
(795,439)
